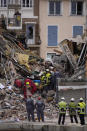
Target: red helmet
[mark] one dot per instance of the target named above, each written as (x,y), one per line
(39,98)
(30,95)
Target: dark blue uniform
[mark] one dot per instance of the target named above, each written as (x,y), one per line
(40,106)
(30,108)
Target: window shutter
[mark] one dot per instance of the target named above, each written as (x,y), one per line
(77,30)
(52,35)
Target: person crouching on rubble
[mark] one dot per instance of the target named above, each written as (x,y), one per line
(29,87)
(30,107)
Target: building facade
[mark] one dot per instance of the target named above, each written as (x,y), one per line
(59,20)
(22,16)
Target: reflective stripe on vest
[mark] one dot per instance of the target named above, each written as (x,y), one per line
(81,108)
(62,107)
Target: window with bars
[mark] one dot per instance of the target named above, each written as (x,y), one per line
(76,7)
(54,7)
(27,3)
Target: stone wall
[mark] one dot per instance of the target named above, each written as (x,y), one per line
(39,127)
(68,94)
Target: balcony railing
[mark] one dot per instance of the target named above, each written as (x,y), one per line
(14,6)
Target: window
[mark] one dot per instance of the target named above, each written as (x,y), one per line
(27,3)
(52,35)
(77,30)
(76,7)
(30,32)
(54,7)
(51,55)
(3,3)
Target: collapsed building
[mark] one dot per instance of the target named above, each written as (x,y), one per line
(71,63)
(16,62)
(72,57)
(14,59)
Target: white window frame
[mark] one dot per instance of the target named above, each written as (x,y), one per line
(31,23)
(50,53)
(77,25)
(54,9)
(76,8)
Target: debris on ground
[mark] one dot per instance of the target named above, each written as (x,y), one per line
(16,62)
(12,105)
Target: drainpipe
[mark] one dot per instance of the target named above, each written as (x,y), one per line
(86,55)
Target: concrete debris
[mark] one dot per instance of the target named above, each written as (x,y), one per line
(12,105)
(16,61)
(71,59)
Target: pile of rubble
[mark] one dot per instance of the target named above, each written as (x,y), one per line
(15,61)
(13,107)
(71,60)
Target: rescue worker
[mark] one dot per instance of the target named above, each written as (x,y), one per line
(43,80)
(30,108)
(29,87)
(40,106)
(62,105)
(18,83)
(72,110)
(48,80)
(81,111)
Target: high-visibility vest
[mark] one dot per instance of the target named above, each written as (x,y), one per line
(43,80)
(48,76)
(72,108)
(81,107)
(28,84)
(62,107)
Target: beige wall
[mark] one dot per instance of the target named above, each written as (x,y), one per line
(64,23)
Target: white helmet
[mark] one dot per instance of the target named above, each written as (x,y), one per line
(62,98)
(47,70)
(72,99)
(81,99)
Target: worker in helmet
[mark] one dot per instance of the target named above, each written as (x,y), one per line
(72,110)
(40,106)
(29,87)
(48,80)
(30,107)
(81,111)
(62,105)
(43,80)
